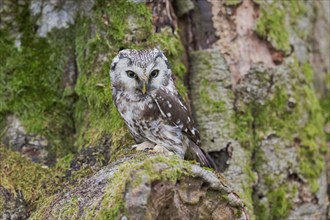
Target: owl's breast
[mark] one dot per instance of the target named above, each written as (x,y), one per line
(139,113)
(138,108)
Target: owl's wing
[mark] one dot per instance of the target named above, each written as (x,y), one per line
(176,112)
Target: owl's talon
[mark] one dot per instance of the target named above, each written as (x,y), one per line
(144,146)
(162,150)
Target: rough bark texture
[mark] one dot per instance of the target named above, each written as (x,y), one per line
(141,187)
(65,152)
(252,94)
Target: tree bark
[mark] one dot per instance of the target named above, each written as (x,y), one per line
(246,67)
(251,75)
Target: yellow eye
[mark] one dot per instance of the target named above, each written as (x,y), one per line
(154,73)
(130,74)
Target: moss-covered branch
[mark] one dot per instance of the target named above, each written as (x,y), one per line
(146,187)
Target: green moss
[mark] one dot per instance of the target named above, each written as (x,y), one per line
(209,104)
(232,2)
(253,116)
(31,87)
(275,114)
(312,143)
(278,201)
(2,203)
(280,204)
(113,201)
(63,164)
(294,115)
(247,189)
(19,173)
(244,128)
(308,71)
(270,25)
(42,208)
(296,10)
(261,211)
(209,94)
(311,165)
(310,134)
(325,105)
(113,198)
(238,214)
(69,210)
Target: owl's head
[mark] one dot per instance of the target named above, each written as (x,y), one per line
(140,71)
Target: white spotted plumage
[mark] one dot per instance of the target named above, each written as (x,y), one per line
(145,96)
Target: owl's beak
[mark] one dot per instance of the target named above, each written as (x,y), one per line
(144,88)
(143,84)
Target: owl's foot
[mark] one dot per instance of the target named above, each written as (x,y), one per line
(143,146)
(161,149)
(151,147)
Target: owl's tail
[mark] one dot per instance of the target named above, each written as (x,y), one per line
(200,155)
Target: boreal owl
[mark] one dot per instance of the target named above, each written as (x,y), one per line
(145,95)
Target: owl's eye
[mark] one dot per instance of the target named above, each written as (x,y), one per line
(154,74)
(130,74)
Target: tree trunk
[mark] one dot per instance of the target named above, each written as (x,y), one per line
(249,66)
(251,89)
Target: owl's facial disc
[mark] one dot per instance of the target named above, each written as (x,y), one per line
(140,72)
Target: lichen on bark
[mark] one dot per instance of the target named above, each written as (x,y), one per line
(284,124)
(273,112)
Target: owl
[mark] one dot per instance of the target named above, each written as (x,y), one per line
(144,93)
